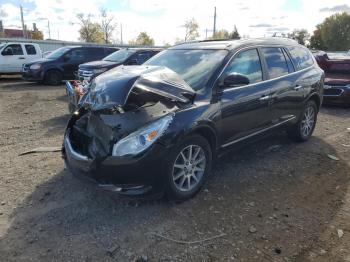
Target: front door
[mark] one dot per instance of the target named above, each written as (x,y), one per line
(244,109)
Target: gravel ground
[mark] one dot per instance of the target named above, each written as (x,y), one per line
(272,201)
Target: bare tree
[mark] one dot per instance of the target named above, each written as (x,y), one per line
(108,25)
(192,27)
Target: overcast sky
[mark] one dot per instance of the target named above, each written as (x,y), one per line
(164,19)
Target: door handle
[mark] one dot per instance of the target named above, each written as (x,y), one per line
(296,88)
(21,58)
(263,98)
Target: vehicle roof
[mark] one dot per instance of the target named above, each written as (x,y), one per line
(26,43)
(233,44)
(143,48)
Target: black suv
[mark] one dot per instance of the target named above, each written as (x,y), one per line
(158,127)
(63,63)
(127,56)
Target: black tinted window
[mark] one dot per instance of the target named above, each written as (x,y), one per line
(246,63)
(30,49)
(301,57)
(16,49)
(77,55)
(275,61)
(95,53)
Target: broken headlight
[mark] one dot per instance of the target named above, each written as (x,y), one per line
(143,138)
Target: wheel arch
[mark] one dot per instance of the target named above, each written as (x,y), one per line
(316,98)
(209,134)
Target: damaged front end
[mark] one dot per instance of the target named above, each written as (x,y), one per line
(118,122)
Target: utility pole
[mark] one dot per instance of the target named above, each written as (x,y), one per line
(214,28)
(48,26)
(121,33)
(206,33)
(23,27)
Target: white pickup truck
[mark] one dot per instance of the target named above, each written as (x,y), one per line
(13,55)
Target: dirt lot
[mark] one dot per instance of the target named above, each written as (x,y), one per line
(273,201)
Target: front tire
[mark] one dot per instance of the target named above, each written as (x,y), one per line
(303,130)
(187,168)
(53,78)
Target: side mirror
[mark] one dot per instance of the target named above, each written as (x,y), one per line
(132,62)
(7,51)
(235,79)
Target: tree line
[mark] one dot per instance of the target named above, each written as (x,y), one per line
(332,34)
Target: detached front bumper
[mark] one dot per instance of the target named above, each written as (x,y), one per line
(123,175)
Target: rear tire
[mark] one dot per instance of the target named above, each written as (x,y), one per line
(53,77)
(303,130)
(187,168)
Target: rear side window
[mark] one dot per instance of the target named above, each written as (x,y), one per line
(77,55)
(30,49)
(16,49)
(246,63)
(96,53)
(275,61)
(301,57)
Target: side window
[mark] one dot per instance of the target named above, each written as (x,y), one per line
(275,61)
(30,49)
(301,57)
(246,63)
(16,49)
(289,62)
(142,57)
(77,55)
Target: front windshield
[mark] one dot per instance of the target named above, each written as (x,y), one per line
(194,66)
(58,53)
(119,56)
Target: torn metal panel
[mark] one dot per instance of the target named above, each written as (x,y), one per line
(115,86)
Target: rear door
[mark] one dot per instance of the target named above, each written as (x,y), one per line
(13,58)
(244,109)
(32,53)
(286,94)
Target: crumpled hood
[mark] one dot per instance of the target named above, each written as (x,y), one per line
(115,86)
(98,64)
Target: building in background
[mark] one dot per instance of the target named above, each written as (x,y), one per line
(18,33)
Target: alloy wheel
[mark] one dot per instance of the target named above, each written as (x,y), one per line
(189,168)
(308,121)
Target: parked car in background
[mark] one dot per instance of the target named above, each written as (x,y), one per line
(13,55)
(127,56)
(88,71)
(157,127)
(63,63)
(337,78)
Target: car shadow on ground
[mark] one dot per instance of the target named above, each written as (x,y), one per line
(56,125)
(271,200)
(335,110)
